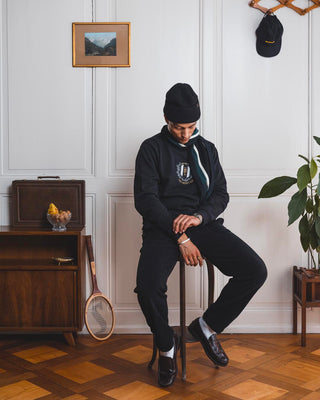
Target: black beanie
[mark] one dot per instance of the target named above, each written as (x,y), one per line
(182,104)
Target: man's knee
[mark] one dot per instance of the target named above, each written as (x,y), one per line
(150,289)
(261,272)
(254,271)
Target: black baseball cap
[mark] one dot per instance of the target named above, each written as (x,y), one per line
(269,36)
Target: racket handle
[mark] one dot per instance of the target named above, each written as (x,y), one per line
(89,248)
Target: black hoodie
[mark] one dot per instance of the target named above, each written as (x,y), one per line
(166,183)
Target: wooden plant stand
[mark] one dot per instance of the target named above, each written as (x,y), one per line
(306,292)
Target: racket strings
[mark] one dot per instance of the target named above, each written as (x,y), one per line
(98,314)
(99,317)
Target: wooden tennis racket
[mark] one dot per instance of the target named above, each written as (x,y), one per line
(99,314)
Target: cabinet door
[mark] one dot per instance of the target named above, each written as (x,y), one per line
(38,299)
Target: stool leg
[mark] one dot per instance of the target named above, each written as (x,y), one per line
(154,354)
(183,319)
(210,281)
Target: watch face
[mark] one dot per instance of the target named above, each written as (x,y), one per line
(198,216)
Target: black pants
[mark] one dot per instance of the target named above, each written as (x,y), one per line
(225,250)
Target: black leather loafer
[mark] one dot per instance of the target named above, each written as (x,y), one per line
(167,367)
(211,346)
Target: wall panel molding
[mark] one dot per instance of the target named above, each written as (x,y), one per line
(211,71)
(123,244)
(314,80)
(124,240)
(137,107)
(3,81)
(258,111)
(5,205)
(38,135)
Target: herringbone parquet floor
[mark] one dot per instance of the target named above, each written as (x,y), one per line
(262,367)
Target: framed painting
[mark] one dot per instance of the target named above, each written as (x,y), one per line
(101,44)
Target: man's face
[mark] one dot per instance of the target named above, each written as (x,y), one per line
(181,132)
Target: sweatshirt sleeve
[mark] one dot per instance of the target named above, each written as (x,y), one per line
(212,207)
(146,190)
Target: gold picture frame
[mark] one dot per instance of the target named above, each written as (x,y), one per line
(101,44)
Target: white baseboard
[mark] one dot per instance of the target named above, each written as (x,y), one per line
(254,319)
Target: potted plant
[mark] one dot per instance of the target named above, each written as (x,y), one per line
(304,204)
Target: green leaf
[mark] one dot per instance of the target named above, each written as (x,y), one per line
(303,177)
(304,232)
(297,206)
(304,242)
(313,237)
(276,186)
(313,168)
(317,225)
(317,139)
(304,225)
(305,158)
(318,187)
(316,200)
(309,205)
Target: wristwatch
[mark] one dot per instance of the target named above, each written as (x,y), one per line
(199,216)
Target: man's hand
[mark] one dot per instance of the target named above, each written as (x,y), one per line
(190,252)
(183,222)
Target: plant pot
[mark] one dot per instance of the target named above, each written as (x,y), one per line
(311,278)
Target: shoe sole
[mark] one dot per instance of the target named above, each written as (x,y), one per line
(196,336)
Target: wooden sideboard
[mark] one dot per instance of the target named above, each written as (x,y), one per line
(36,293)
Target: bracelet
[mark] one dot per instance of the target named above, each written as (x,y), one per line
(184,241)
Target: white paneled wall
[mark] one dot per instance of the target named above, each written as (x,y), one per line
(165,49)
(266,97)
(49,114)
(86,123)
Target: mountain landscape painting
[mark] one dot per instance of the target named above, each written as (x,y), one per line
(100,43)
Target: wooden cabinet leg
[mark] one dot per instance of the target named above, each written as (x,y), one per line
(294,301)
(69,338)
(303,311)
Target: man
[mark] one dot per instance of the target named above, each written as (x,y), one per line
(180,190)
